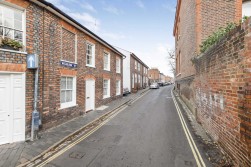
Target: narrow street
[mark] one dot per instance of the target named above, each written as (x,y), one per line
(147,133)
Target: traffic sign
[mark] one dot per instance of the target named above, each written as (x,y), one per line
(32,61)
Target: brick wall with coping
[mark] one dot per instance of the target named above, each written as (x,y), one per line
(222,88)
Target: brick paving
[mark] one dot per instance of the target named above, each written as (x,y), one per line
(14,154)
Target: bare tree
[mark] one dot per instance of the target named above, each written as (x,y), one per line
(171,60)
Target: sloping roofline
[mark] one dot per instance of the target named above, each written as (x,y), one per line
(49,6)
(176,16)
(133,55)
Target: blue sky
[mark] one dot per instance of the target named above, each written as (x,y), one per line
(143,27)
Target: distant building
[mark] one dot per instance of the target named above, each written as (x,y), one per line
(162,77)
(168,79)
(154,75)
(135,72)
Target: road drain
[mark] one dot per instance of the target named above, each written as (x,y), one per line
(188,163)
(76,155)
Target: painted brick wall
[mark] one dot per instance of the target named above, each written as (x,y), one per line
(222,87)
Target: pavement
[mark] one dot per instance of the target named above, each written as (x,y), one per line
(15,154)
(148,133)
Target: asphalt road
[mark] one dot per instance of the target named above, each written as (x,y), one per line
(148,133)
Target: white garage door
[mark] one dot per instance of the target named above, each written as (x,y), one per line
(12,108)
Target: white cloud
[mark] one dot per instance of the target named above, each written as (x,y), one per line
(112,9)
(113,36)
(87,20)
(140,4)
(88,7)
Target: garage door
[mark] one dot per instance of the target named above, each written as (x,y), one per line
(12,108)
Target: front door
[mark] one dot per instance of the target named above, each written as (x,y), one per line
(12,108)
(90,95)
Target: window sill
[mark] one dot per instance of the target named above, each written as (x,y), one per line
(90,66)
(107,70)
(118,72)
(69,106)
(106,97)
(118,94)
(178,75)
(14,51)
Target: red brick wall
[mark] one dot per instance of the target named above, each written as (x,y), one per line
(223,86)
(68,45)
(218,14)
(195,21)
(43,37)
(185,50)
(154,75)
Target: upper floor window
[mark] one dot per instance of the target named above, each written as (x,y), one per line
(138,67)
(90,55)
(12,24)
(117,65)
(246,8)
(135,65)
(106,61)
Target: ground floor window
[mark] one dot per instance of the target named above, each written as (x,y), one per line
(133,81)
(118,87)
(68,91)
(106,88)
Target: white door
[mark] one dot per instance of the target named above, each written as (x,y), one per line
(89,95)
(12,108)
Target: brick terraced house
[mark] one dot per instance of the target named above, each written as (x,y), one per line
(216,85)
(78,71)
(154,75)
(135,72)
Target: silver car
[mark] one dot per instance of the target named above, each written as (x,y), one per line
(154,86)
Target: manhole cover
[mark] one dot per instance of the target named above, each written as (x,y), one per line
(51,165)
(188,163)
(77,155)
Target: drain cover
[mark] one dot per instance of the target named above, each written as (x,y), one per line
(77,155)
(188,163)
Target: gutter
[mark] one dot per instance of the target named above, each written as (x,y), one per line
(53,9)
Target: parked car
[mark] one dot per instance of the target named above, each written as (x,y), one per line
(154,86)
(161,83)
(126,91)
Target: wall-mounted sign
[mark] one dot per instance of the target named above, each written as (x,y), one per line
(68,64)
(32,61)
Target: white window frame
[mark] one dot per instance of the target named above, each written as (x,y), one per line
(118,65)
(139,80)
(109,61)
(136,65)
(92,54)
(23,11)
(73,102)
(108,88)
(118,87)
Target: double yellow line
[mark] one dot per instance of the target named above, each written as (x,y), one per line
(196,153)
(80,139)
